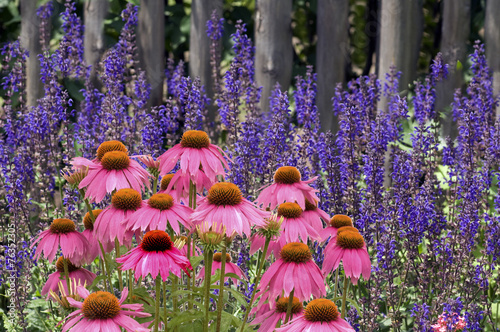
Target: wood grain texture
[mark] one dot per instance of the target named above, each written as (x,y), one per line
(95,11)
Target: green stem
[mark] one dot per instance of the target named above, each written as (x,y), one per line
(344,296)
(188,282)
(117,249)
(257,281)
(335,285)
(220,303)
(130,285)
(155,185)
(157,303)
(208,279)
(106,266)
(174,298)
(289,307)
(66,273)
(192,204)
(165,304)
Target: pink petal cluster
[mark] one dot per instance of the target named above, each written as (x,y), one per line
(444,321)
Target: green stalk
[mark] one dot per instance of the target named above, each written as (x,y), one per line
(208,277)
(130,285)
(335,285)
(117,249)
(289,307)
(66,272)
(157,303)
(106,266)
(192,204)
(165,304)
(174,299)
(257,280)
(155,185)
(344,297)
(220,303)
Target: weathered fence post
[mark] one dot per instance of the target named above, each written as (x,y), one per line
(95,12)
(151,45)
(332,53)
(30,41)
(492,36)
(199,47)
(273,46)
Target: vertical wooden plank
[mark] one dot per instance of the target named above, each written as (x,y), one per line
(273,46)
(30,41)
(332,54)
(151,45)
(95,12)
(199,47)
(454,37)
(492,37)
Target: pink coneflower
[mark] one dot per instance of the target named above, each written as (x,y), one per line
(314,216)
(295,229)
(230,268)
(349,247)
(180,182)
(63,233)
(151,164)
(157,212)
(270,318)
(114,170)
(287,187)
(102,311)
(93,249)
(193,150)
(195,250)
(320,315)
(156,254)
(108,226)
(337,221)
(295,271)
(79,274)
(225,204)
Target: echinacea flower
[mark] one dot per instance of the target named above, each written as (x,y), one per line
(113,171)
(193,150)
(225,204)
(230,268)
(81,275)
(61,233)
(270,318)
(180,183)
(320,315)
(108,226)
(287,187)
(74,177)
(61,296)
(350,248)
(102,312)
(157,212)
(195,250)
(93,248)
(313,215)
(155,255)
(337,221)
(296,271)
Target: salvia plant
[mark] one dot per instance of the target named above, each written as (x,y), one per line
(120,216)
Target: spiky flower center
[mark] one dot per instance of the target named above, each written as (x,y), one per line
(295,252)
(115,160)
(224,193)
(350,240)
(165,181)
(196,139)
(101,305)
(87,221)
(347,229)
(60,265)
(311,206)
(282,305)
(126,199)
(156,241)
(218,257)
(321,310)
(287,175)
(340,220)
(62,226)
(161,201)
(110,146)
(289,210)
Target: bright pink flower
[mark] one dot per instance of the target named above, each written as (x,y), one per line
(195,250)
(269,318)
(102,312)
(156,254)
(108,225)
(194,150)
(296,271)
(225,204)
(350,248)
(80,274)
(63,233)
(230,268)
(158,211)
(337,221)
(148,161)
(447,320)
(320,315)
(314,216)
(287,187)
(179,183)
(113,170)
(94,249)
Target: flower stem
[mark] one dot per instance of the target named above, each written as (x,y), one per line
(208,279)
(130,285)
(174,298)
(344,296)
(157,303)
(165,303)
(155,185)
(192,204)
(289,307)
(66,273)
(257,280)
(106,266)
(220,303)
(335,285)
(117,249)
